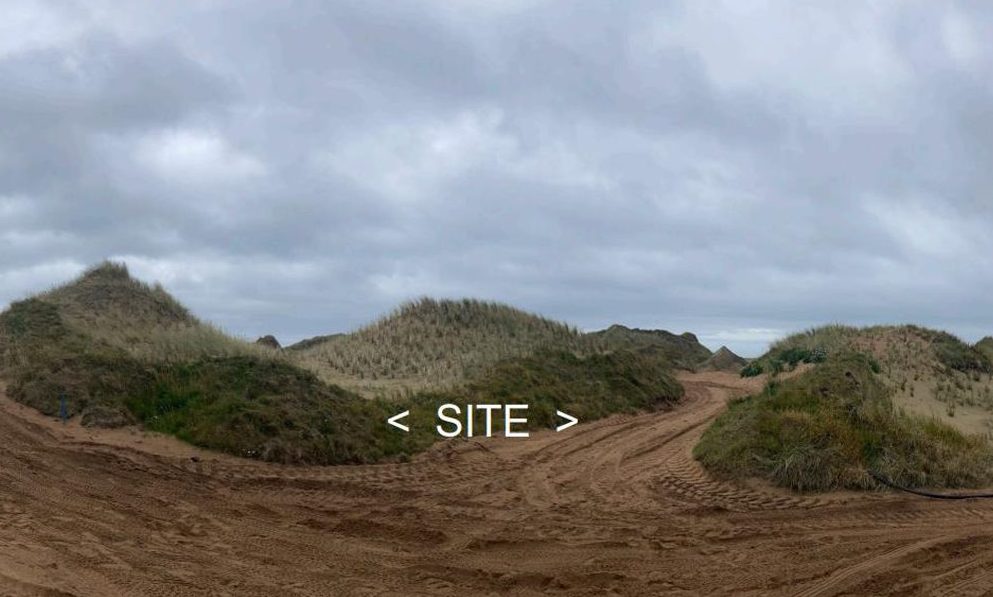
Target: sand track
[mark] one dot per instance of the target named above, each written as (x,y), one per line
(615,505)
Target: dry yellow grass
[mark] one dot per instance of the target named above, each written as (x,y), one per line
(432,344)
(106,303)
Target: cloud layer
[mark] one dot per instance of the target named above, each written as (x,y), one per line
(299,169)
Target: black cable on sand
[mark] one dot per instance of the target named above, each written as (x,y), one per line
(928,494)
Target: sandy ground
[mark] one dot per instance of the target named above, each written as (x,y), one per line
(612,507)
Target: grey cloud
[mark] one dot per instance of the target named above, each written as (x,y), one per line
(298,169)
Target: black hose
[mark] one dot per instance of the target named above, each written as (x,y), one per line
(928,494)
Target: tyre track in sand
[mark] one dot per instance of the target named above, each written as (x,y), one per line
(612,505)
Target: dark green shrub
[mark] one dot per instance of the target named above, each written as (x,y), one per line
(752,369)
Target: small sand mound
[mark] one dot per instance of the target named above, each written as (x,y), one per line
(724,360)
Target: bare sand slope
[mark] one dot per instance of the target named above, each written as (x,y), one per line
(613,506)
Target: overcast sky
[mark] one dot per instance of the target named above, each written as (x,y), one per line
(739,169)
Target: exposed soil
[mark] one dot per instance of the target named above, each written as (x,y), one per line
(615,506)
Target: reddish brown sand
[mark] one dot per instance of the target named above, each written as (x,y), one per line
(616,506)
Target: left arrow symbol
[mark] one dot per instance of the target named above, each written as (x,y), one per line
(395,420)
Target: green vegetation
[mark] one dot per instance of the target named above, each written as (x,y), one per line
(588,388)
(929,372)
(312,342)
(107,304)
(922,417)
(123,352)
(430,345)
(985,346)
(752,369)
(434,345)
(43,357)
(263,409)
(274,411)
(827,427)
(827,339)
(815,345)
(683,351)
(956,354)
(244,405)
(782,359)
(810,347)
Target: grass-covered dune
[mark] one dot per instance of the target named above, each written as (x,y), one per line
(682,350)
(123,352)
(273,410)
(985,346)
(827,428)
(929,372)
(107,304)
(431,344)
(588,388)
(248,405)
(880,399)
(894,347)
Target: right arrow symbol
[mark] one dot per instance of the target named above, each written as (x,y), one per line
(570,421)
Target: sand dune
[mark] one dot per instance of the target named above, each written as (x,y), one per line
(616,505)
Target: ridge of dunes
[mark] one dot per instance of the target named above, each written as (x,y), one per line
(682,350)
(431,344)
(121,352)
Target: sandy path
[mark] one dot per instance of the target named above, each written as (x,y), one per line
(613,506)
